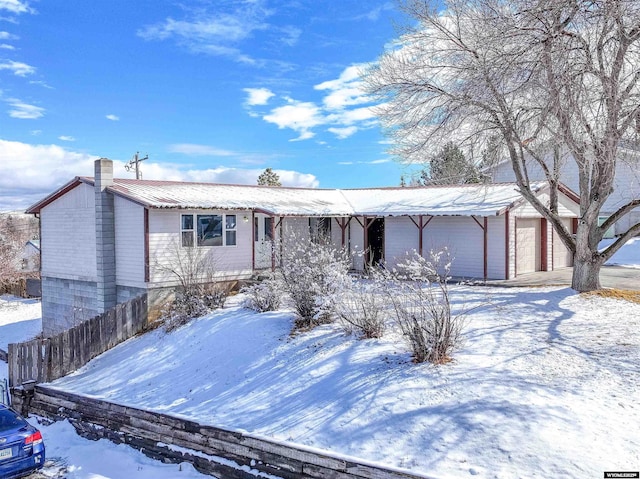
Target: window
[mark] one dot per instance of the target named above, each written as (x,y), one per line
(210,230)
(256,236)
(320,230)
(187,231)
(268,228)
(230,230)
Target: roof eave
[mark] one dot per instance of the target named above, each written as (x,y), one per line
(63,190)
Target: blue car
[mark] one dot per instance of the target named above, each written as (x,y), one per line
(21,445)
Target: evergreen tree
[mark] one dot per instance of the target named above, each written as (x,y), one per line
(450,167)
(269,178)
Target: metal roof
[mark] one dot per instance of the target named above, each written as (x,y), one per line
(462,200)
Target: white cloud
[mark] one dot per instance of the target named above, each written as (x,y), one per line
(24,111)
(345,91)
(16,6)
(8,36)
(373,162)
(66,138)
(258,96)
(198,150)
(290,35)
(344,108)
(28,172)
(35,132)
(343,133)
(216,32)
(17,68)
(374,15)
(112,117)
(4,46)
(298,116)
(41,83)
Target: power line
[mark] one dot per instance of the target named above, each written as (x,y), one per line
(135,163)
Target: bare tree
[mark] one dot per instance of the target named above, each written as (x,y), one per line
(194,268)
(15,231)
(554,82)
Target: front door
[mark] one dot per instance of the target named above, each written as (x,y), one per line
(263,240)
(375,240)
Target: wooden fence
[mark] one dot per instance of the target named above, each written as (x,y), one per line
(212,450)
(44,360)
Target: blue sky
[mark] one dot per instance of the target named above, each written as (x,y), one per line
(210,90)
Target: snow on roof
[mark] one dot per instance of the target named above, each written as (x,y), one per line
(482,200)
(276,200)
(462,200)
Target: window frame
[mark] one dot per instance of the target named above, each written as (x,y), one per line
(194,234)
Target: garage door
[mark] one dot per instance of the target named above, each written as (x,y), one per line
(561,255)
(527,245)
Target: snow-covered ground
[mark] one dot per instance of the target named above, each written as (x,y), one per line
(628,256)
(546,385)
(19,321)
(69,455)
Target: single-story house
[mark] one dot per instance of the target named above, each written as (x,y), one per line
(105,240)
(626,185)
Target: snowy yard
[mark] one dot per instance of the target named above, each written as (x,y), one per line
(545,385)
(70,456)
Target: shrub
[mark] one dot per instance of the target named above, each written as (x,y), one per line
(362,309)
(192,303)
(313,274)
(263,296)
(419,294)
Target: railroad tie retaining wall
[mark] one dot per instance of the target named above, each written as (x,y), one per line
(162,436)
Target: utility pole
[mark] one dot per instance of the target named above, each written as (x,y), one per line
(134,163)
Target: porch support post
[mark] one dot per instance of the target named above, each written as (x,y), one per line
(506,245)
(485,238)
(273,238)
(421,225)
(544,257)
(146,245)
(484,226)
(366,242)
(253,240)
(343,223)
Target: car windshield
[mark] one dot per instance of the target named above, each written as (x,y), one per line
(10,420)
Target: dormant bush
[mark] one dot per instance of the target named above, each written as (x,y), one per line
(264,296)
(314,273)
(419,294)
(361,308)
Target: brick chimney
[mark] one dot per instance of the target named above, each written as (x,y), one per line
(105,236)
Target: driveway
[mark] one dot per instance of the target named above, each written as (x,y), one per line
(617,277)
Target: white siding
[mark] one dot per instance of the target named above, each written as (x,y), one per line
(230,262)
(512,246)
(336,233)
(356,243)
(561,255)
(566,207)
(68,231)
(463,237)
(495,247)
(626,184)
(129,226)
(401,237)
